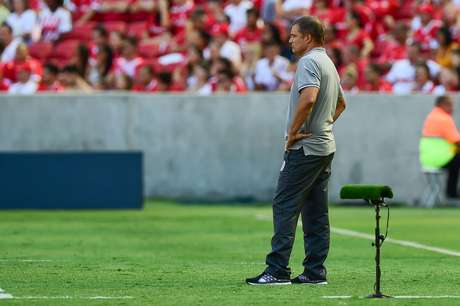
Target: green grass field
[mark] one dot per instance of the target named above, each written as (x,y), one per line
(172,254)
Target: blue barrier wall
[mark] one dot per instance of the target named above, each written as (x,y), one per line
(86,180)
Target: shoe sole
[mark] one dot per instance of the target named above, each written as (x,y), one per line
(268,284)
(321,283)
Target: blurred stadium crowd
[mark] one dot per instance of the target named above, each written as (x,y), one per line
(208,46)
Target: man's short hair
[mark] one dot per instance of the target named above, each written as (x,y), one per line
(441,100)
(311,25)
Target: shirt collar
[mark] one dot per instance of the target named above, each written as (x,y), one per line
(320,49)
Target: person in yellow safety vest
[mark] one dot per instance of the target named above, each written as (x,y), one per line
(440,143)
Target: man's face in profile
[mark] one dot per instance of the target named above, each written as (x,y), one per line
(297,41)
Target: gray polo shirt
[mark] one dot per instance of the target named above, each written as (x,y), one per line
(316,69)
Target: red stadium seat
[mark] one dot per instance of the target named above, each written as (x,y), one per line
(65,50)
(151,50)
(138,29)
(118,26)
(82,32)
(41,50)
(59,62)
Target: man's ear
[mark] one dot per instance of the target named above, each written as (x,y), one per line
(307,38)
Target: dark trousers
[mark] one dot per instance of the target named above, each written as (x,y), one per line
(452,167)
(302,189)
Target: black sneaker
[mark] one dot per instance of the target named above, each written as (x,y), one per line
(303,279)
(267,279)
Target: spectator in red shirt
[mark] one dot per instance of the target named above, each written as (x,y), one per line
(228,82)
(356,35)
(353,59)
(374,80)
(22,58)
(396,48)
(179,14)
(252,32)
(328,14)
(50,79)
(145,81)
(426,27)
(84,10)
(24,85)
(200,20)
(129,62)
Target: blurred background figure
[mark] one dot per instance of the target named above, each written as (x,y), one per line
(53,20)
(72,81)
(22,20)
(440,143)
(402,73)
(50,82)
(176,36)
(145,81)
(236,11)
(199,81)
(25,85)
(8,42)
(374,80)
(100,67)
(272,69)
(423,83)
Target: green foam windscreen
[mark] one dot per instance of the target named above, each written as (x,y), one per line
(367,192)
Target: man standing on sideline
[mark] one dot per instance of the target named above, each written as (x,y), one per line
(440,143)
(316,101)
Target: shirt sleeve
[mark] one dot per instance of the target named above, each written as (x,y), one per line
(308,74)
(450,131)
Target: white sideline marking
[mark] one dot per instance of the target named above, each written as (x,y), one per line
(69,297)
(427,297)
(406,243)
(4,295)
(337,297)
(399,297)
(412,244)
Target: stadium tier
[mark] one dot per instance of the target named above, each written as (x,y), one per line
(205,47)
